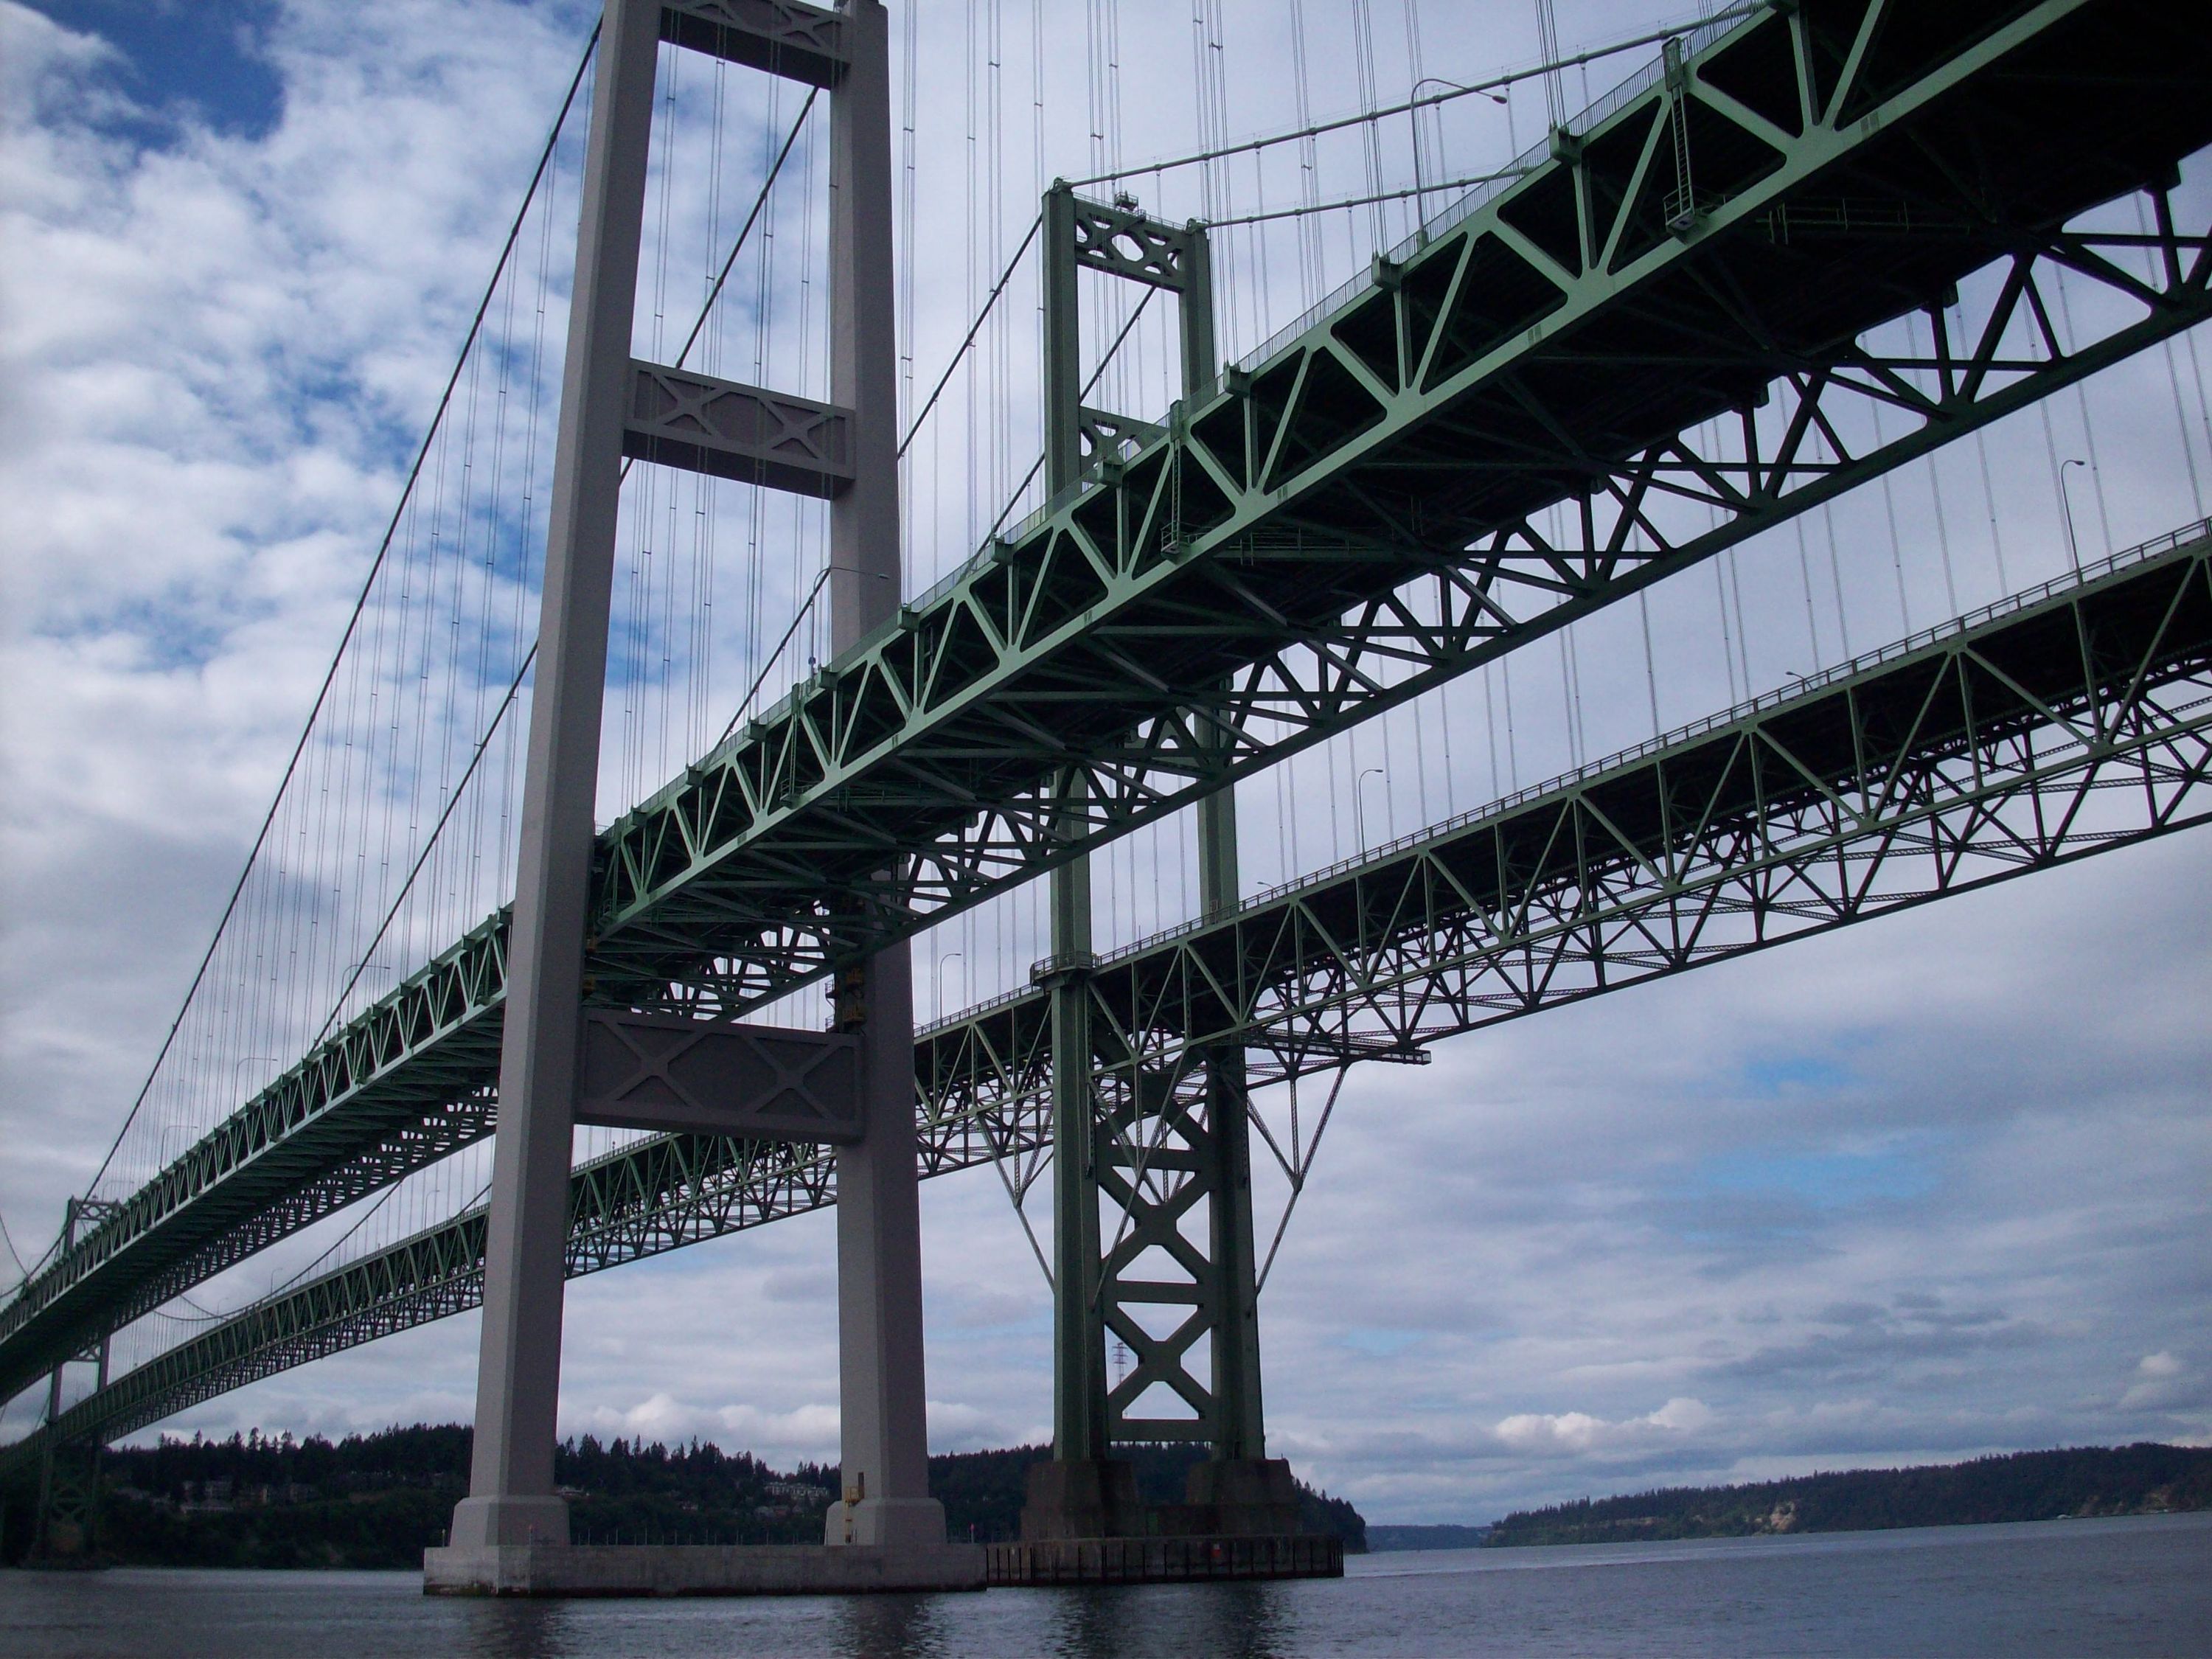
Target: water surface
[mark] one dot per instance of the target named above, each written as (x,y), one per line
(2140,1585)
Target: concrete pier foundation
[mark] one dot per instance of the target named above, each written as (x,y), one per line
(1077,1562)
(618,1570)
(1243,1498)
(1083,1497)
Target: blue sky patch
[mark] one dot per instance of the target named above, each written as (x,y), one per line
(1784,1074)
(185,52)
(1903,1169)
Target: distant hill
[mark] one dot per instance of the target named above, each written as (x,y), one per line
(377,1500)
(2044,1486)
(1380,1538)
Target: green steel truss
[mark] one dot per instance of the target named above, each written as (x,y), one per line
(654,1196)
(2070,718)
(1673,359)
(2065,722)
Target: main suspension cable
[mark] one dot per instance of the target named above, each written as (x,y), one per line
(361,605)
(981,317)
(529,658)
(1468,183)
(22,1274)
(746,229)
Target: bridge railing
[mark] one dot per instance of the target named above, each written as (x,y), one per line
(1464,207)
(1385,852)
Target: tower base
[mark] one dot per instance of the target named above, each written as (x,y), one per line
(1162,1560)
(614,1570)
(1082,1498)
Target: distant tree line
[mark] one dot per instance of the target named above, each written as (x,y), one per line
(379,1500)
(2042,1486)
(1440,1536)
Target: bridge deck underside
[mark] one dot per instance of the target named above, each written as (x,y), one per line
(1343,528)
(2073,724)
(1784,816)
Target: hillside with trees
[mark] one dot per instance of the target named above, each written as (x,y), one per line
(2042,1486)
(379,1500)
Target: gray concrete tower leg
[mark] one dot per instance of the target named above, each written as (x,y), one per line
(884,1429)
(511,1498)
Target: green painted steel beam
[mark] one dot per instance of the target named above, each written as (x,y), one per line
(1337,528)
(2063,721)
(2069,722)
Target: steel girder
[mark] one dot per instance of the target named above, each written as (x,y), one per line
(1353,521)
(660,1194)
(2076,717)
(2069,722)
(1350,523)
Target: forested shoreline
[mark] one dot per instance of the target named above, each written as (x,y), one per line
(2037,1485)
(379,1500)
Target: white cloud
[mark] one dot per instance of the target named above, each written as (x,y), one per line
(1573,1433)
(2163,1381)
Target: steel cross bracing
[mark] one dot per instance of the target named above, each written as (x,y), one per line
(2065,720)
(2068,721)
(649,1197)
(1353,521)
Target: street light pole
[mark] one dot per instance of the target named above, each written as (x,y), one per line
(1359,805)
(2066,504)
(1414,121)
(938,980)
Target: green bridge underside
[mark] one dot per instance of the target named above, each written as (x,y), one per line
(2069,722)
(1348,525)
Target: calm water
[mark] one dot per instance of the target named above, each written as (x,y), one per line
(2079,1588)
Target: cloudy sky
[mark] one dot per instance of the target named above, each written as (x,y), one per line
(1928,1187)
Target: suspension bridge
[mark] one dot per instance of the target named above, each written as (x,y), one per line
(1804,249)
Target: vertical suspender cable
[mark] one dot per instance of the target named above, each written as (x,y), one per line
(360,604)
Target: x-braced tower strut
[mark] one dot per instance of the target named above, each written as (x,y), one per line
(1131,1166)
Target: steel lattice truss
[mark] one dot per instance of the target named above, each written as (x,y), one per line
(2052,728)
(2067,723)
(1672,361)
(663,1193)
